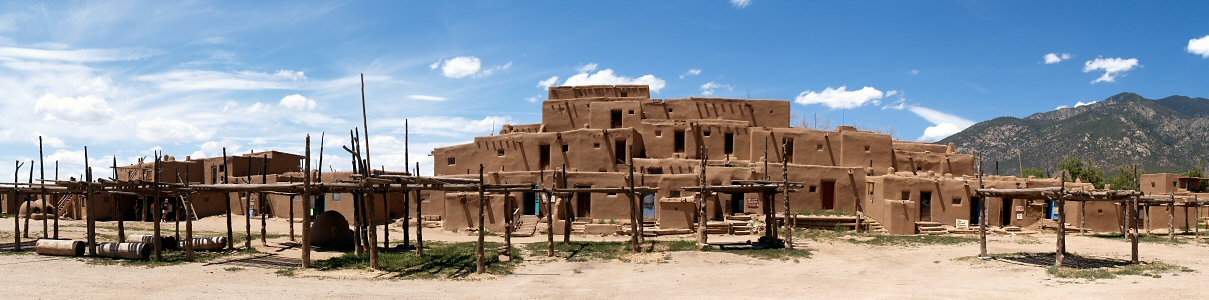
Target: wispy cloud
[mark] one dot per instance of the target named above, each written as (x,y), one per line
(545,84)
(426,97)
(691,72)
(607,77)
(740,3)
(78,55)
(195,80)
(1112,67)
(708,88)
(944,124)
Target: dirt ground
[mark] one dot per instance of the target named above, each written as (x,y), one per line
(836,269)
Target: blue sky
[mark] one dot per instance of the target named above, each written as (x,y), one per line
(129,77)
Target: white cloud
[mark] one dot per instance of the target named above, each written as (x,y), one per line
(81,110)
(606,77)
(914,72)
(945,124)
(1199,46)
(214,148)
(589,67)
(461,66)
(426,97)
(1061,107)
(229,105)
(170,131)
(80,55)
(298,102)
(194,80)
(1111,67)
(708,88)
(841,97)
(546,84)
(740,3)
(691,72)
(259,107)
(435,65)
(1080,103)
(1053,58)
(533,99)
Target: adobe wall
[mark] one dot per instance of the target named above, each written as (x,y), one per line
(462,211)
(848,187)
(586,150)
(569,92)
(761,113)
(1159,184)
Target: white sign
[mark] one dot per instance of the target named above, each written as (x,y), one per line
(1019,216)
(963,224)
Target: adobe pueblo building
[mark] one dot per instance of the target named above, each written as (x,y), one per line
(591,131)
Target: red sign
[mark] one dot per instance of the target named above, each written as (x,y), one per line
(753,202)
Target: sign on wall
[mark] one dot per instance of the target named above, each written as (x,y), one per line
(753,202)
(963,224)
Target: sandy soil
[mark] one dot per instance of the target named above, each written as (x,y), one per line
(837,269)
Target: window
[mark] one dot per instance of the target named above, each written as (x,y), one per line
(906,195)
(956,201)
(452,161)
(654,170)
(674,194)
(669,110)
(296,198)
(631,111)
(658,132)
(1152,184)
(544,156)
(619,148)
(866,149)
(706,133)
(820,147)
(565,148)
(679,137)
(615,119)
(596,145)
(499,152)
(337,197)
(729,145)
(813,188)
(424,198)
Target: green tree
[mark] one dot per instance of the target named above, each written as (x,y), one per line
(1198,171)
(1031,171)
(1089,173)
(1124,180)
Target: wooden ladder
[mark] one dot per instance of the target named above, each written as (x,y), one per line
(189,211)
(59,209)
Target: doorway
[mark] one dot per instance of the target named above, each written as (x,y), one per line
(736,203)
(648,206)
(615,118)
(544,157)
(1005,213)
(975,209)
(925,206)
(583,204)
(827,195)
(530,205)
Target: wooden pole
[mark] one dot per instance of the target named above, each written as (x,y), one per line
(509,208)
(306,207)
(1196,215)
(1171,218)
(60,199)
(227,196)
(788,221)
(29,202)
(189,214)
(1083,218)
(373,226)
(482,218)
(407,196)
(419,219)
(702,238)
(982,213)
(358,208)
(180,205)
(247,209)
(549,210)
(16,196)
(92,220)
(386,226)
(42,184)
(1061,247)
(260,199)
(566,209)
(633,204)
(1133,237)
(117,201)
(159,247)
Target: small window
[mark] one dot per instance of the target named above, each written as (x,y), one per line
(706,133)
(424,198)
(1152,184)
(813,188)
(956,201)
(565,148)
(336,197)
(612,194)
(674,194)
(820,147)
(866,149)
(500,152)
(658,132)
(654,170)
(452,161)
(669,110)
(1173,183)
(631,111)
(596,145)
(906,195)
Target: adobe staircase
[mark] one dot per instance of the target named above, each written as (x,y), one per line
(526,226)
(930,228)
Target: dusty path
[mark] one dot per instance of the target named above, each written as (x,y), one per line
(837,269)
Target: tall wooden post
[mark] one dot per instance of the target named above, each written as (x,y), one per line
(117,202)
(386,226)
(548,207)
(482,229)
(260,200)
(1060,252)
(306,207)
(982,213)
(788,221)
(407,195)
(247,209)
(156,242)
(1133,236)
(419,219)
(566,209)
(633,204)
(509,220)
(92,219)
(42,184)
(189,214)
(227,200)
(29,202)
(179,205)
(702,195)
(16,196)
(373,226)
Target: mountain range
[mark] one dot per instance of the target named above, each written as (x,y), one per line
(1164,135)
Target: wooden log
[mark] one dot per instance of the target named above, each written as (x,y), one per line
(482,218)
(508,223)
(27,201)
(407,195)
(59,247)
(42,185)
(702,236)
(157,243)
(566,208)
(117,202)
(1060,252)
(262,200)
(306,207)
(205,243)
(91,218)
(982,213)
(634,207)
(16,222)
(1133,237)
(386,226)
(167,242)
(373,229)
(785,175)
(190,244)
(132,251)
(1171,218)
